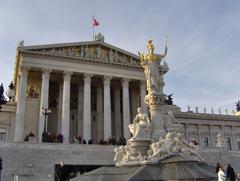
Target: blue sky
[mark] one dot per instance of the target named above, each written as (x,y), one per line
(203,39)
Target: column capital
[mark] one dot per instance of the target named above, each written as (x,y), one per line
(67,75)
(143,84)
(125,82)
(87,77)
(23,71)
(107,80)
(46,73)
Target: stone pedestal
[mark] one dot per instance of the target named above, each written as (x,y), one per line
(155,102)
(140,145)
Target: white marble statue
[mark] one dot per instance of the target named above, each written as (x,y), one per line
(183,147)
(173,146)
(141,127)
(162,148)
(119,153)
(170,124)
(220,140)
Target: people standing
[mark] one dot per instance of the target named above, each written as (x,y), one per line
(217,167)
(238,177)
(61,172)
(221,175)
(230,173)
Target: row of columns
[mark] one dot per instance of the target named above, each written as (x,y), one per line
(65,112)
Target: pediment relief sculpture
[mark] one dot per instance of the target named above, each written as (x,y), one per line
(97,52)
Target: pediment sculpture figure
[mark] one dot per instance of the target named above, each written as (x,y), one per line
(141,127)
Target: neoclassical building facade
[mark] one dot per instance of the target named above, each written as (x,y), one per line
(93,90)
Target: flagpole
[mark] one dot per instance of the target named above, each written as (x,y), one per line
(93,27)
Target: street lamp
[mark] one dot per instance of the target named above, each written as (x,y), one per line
(0,168)
(10,92)
(45,112)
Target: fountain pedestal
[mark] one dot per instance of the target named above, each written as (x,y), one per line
(141,145)
(155,102)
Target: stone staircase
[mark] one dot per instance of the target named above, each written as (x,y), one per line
(36,161)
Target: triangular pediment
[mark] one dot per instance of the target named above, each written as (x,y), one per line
(91,50)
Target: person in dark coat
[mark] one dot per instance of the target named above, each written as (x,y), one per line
(230,173)
(217,167)
(61,172)
(60,138)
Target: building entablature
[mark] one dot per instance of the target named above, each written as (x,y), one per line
(59,66)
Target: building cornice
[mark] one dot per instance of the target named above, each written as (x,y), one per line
(201,116)
(72,44)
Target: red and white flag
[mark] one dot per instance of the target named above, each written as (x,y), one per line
(95,22)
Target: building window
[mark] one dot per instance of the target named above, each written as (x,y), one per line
(238,143)
(229,144)
(3,134)
(205,143)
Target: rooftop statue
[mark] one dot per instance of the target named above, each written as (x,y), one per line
(169,100)
(238,106)
(1,90)
(2,97)
(151,62)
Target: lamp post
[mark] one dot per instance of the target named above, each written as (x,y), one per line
(45,112)
(0,168)
(10,92)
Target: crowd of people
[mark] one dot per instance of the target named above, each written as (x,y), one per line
(228,174)
(110,141)
(53,138)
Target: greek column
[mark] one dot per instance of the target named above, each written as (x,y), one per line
(99,118)
(80,109)
(143,95)
(43,102)
(233,139)
(20,112)
(60,99)
(126,108)
(212,141)
(87,107)
(107,108)
(117,112)
(199,135)
(186,131)
(66,106)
